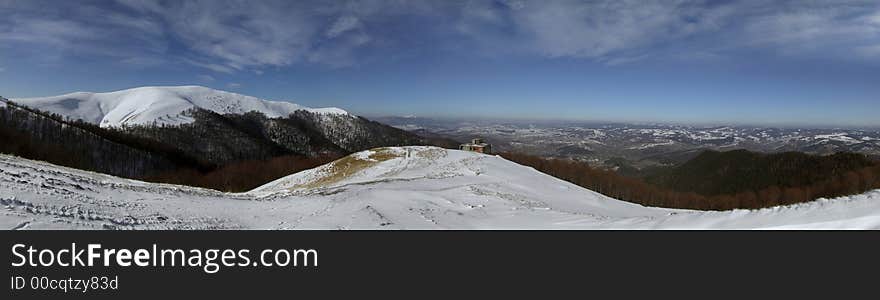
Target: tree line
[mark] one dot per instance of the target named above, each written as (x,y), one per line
(730,172)
(39,135)
(638,191)
(242,176)
(49,137)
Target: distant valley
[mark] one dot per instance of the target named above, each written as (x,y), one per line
(635,149)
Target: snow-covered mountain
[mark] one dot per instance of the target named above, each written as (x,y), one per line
(385,188)
(205,127)
(162,105)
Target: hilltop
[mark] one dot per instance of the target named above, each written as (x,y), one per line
(389,188)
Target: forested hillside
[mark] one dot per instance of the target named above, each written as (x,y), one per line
(223,139)
(848,176)
(35,135)
(357,133)
(230,152)
(229,138)
(716,173)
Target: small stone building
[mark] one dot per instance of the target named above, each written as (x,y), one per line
(477,145)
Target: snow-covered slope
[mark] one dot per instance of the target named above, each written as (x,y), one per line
(387,188)
(162,105)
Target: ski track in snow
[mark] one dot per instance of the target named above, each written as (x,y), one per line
(412,188)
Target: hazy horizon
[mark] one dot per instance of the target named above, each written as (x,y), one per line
(592,122)
(743,63)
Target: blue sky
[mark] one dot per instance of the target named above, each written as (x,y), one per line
(748,62)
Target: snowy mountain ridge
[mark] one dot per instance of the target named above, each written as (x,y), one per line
(384,188)
(160,104)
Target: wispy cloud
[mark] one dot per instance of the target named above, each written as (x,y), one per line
(238,35)
(233,85)
(80,29)
(230,36)
(210,66)
(343,24)
(206,78)
(144,61)
(622,60)
(607,31)
(222,36)
(613,31)
(827,28)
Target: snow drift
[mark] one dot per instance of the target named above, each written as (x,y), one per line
(384,188)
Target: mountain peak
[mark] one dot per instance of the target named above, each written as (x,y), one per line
(160,105)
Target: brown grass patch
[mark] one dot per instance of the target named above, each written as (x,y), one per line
(347,166)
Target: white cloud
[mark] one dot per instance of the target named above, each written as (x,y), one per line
(589,31)
(81,29)
(614,32)
(343,24)
(2,69)
(229,36)
(340,53)
(236,35)
(622,60)
(233,85)
(222,36)
(835,30)
(699,56)
(141,5)
(600,30)
(241,34)
(806,27)
(144,61)
(206,78)
(210,66)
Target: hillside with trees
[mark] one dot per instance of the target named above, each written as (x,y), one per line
(850,177)
(231,152)
(37,135)
(224,139)
(717,173)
